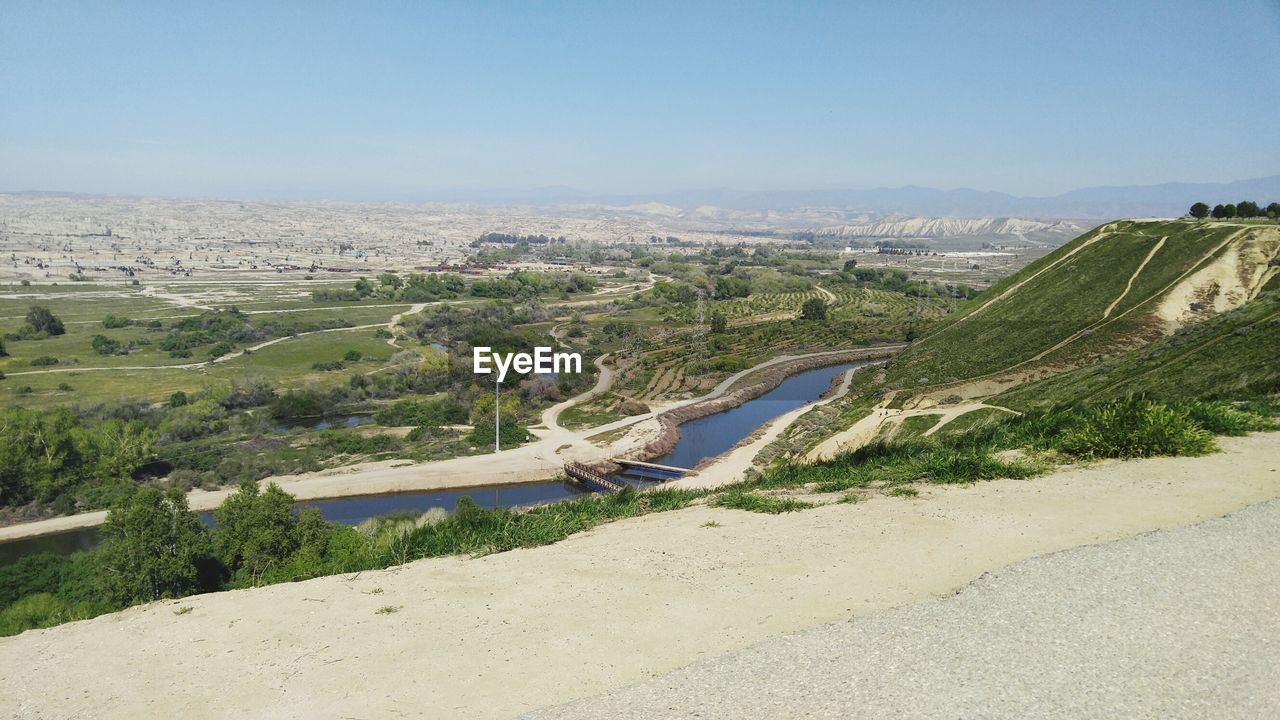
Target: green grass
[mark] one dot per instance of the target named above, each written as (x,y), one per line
(1068,299)
(288,362)
(916,426)
(738,498)
(1229,355)
(1130,428)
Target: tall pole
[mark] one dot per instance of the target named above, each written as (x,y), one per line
(497,417)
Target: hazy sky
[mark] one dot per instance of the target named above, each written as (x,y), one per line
(393,100)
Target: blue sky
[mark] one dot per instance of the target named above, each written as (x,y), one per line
(401,100)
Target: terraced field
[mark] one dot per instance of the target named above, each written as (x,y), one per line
(689,360)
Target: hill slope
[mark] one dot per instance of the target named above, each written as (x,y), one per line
(1230,355)
(1116,288)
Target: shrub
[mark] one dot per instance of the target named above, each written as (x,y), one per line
(1222,418)
(741,499)
(104,345)
(43,321)
(115,321)
(328,365)
(43,361)
(353,356)
(1135,428)
(222,348)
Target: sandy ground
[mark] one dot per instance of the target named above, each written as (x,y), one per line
(513,632)
(1177,623)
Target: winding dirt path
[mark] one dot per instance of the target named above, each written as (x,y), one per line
(868,428)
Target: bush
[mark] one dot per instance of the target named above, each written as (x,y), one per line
(328,365)
(512,434)
(1222,418)
(115,321)
(43,321)
(1135,428)
(222,348)
(353,356)
(741,499)
(414,412)
(44,361)
(104,345)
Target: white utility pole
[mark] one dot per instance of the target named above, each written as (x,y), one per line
(497,416)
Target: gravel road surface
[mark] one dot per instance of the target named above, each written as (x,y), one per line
(1180,623)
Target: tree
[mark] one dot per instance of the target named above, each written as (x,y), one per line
(255,530)
(1273,210)
(813,309)
(391,280)
(1248,209)
(104,345)
(1199,210)
(178,399)
(41,320)
(1230,210)
(1219,211)
(3,352)
(153,547)
(850,264)
(719,323)
(364,288)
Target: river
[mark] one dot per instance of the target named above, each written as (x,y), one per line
(699,439)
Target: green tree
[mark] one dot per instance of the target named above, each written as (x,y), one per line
(1248,209)
(1273,210)
(850,264)
(1230,210)
(364,288)
(813,309)
(719,323)
(42,320)
(178,399)
(256,530)
(152,547)
(104,345)
(1219,211)
(1199,210)
(391,280)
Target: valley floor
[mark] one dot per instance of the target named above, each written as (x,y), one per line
(514,632)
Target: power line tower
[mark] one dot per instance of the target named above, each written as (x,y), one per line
(699,349)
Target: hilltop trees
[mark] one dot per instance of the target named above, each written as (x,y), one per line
(1243,209)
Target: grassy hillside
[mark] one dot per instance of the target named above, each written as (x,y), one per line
(1236,354)
(1096,296)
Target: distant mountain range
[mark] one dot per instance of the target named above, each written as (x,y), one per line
(1103,202)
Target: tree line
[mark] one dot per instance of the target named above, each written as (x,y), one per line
(1243,209)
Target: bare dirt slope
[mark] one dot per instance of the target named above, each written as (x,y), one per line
(509,633)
